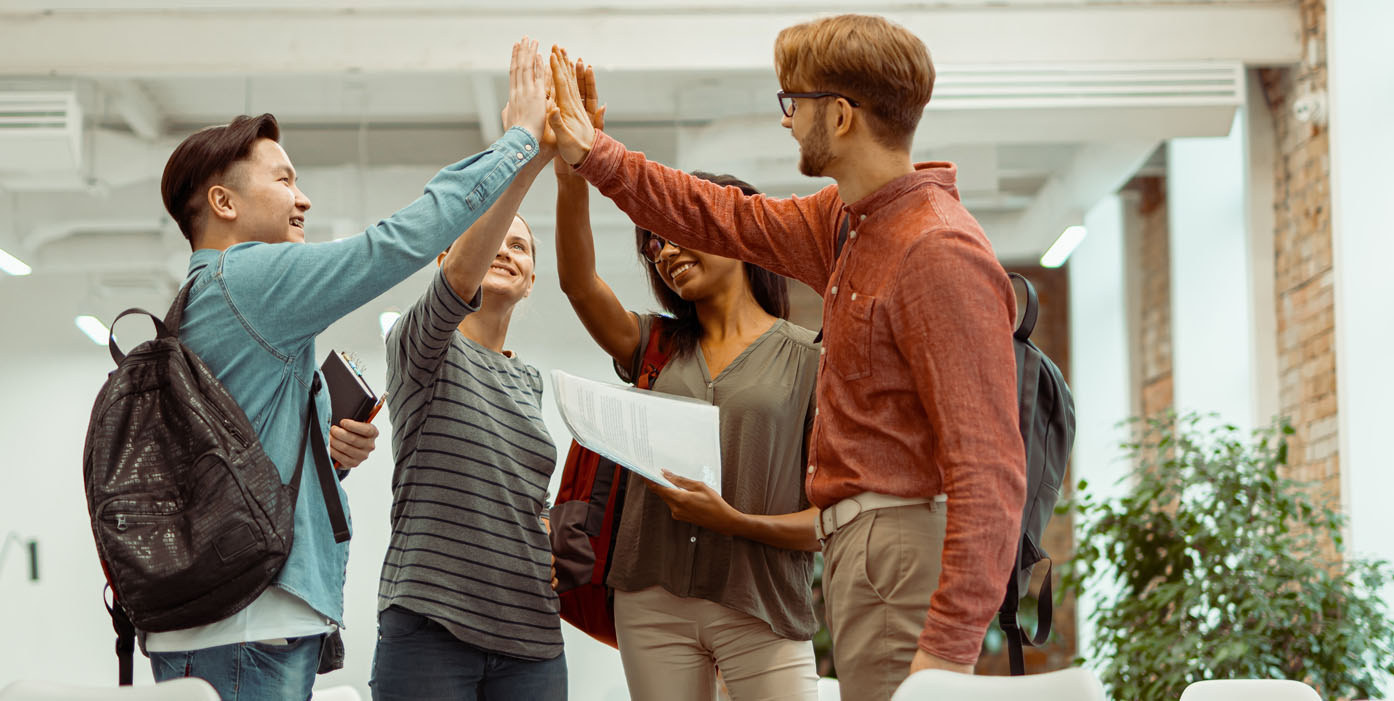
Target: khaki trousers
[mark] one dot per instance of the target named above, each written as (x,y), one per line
(672,646)
(879,572)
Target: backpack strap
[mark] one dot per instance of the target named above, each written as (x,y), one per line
(1011,628)
(1028,381)
(174,318)
(327,479)
(125,639)
(655,356)
(164,328)
(1033,308)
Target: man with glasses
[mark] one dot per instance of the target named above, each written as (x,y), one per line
(916,460)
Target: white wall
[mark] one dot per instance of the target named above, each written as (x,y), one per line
(1212,327)
(1260,148)
(1100,373)
(1361,80)
(57,629)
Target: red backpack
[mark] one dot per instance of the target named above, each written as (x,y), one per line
(586,519)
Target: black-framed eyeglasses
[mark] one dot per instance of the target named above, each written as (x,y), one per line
(786,99)
(654,245)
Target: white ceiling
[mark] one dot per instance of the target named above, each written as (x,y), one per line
(1045,105)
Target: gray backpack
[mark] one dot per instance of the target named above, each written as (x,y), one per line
(1047,418)
(190,516)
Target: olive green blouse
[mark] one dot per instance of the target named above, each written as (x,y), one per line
(766,397)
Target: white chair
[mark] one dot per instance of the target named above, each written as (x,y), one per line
(343,692)
(1249,689)
(183,689)
(828,690)
(1074,684)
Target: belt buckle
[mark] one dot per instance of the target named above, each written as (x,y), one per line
(838,522)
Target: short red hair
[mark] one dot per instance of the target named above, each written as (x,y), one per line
(882,65)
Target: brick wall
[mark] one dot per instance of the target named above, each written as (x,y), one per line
(1154,290)
(1302,263)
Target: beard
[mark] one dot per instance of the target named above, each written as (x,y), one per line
(815,151)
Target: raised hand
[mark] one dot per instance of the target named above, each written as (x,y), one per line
(569,118)
(527,92)
(590,101)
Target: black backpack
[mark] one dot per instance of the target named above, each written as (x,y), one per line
(190,516)
(1047,415)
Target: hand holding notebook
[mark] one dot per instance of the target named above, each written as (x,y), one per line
(350,397)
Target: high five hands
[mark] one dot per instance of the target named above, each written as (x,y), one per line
(528,90)
(575,114)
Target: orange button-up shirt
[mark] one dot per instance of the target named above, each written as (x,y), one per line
(917,382)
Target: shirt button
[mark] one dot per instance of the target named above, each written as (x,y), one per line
(810,468)
(693,539)
(520,156)
(863,216)
(834,290)
(854,296)
(822,350)
(852,234)
(527,147)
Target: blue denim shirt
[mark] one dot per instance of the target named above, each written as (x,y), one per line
(256,308)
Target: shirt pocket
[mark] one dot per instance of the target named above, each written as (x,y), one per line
(850,353)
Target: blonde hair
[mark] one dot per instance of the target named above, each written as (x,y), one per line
(882,65)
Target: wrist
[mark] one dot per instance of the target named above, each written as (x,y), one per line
(568,179)
(576,153)
(741,525)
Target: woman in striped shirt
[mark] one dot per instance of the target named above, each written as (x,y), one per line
(465,604)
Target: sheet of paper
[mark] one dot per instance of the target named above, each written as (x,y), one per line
(647,432)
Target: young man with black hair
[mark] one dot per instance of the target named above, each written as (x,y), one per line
(260,296)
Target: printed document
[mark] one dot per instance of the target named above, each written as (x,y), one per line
(645,431)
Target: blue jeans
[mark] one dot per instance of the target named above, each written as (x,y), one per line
(247,671)
(418,658)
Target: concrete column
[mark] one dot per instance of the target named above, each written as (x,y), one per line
(1100,372)
(1211,288)
(1361,100)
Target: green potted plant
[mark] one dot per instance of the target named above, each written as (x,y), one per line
(1215,565)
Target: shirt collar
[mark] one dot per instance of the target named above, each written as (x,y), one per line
(927,174)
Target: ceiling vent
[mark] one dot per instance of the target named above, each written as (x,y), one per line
(40,131)
(1045,85)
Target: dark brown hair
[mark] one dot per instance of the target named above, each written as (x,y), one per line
(868,58)
(205,158)
(682,334)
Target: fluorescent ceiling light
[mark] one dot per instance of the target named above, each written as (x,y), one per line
(95,329)
(13,265)
(386,320)
(1060,251)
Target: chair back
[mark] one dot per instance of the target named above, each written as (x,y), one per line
(184,689)
(1249,690)
(829,690)
(1074,684)
(343,692)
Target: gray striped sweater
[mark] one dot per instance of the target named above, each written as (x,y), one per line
(473,462)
